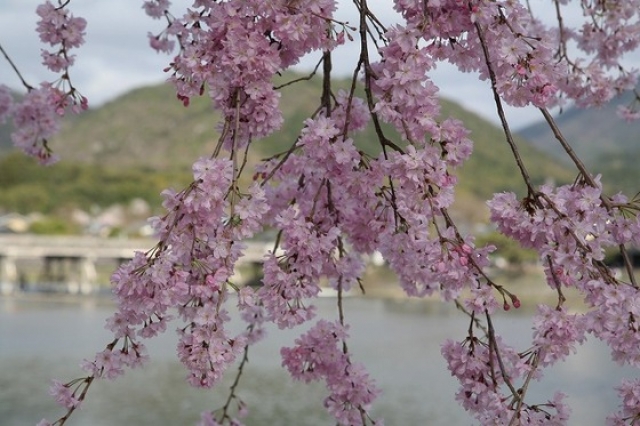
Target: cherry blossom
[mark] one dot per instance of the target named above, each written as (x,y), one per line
(629,391)
(318,356)
(64,395)
(331,202)
(556,334)
(36,119)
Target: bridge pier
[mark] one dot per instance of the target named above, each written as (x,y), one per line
(88,275)
(8,274)
(55,274)
(255,274)
(71,273)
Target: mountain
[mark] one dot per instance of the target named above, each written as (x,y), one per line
(6,128)
(5,137)
(605,142)
(147,129)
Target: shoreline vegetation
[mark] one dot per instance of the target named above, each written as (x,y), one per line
(379,283)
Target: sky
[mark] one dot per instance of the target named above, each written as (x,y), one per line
(116,57)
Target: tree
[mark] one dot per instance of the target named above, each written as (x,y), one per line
(330,202)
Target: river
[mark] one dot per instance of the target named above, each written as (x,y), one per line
(43,338)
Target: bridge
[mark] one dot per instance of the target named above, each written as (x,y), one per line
(70,263)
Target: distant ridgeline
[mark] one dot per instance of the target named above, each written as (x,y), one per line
(142,142)
(605,142)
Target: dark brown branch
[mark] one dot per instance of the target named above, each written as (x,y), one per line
(567,148)
(501,114)
(299,79)
(368,74)
(326,83)
(15,69)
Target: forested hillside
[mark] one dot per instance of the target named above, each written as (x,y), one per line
(603,140)
(143,141)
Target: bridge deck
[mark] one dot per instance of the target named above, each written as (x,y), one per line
(34,247)
(75,257)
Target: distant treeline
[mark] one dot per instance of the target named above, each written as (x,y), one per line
(27,187)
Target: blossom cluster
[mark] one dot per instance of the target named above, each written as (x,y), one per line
(36,120)
(191,270)
(532,59)
(235,48)
(419,241)
(556,333)
(487,372)
(608,33)
(187,275)
(571,227)
(331,201)
(629,392)
(318,355)
(61,30)
(313,240)
(504,34)
(36,116)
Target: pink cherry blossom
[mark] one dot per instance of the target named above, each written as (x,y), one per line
(629,392)
(556,333)
(318,356)
(156,8)
(36,119)
(332,202)
(64,394)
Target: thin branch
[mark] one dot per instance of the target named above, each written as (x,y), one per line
(236,381)
(368,75)
(326,83)
(15,69)
(568,149)
(524,388)
(501,114)
(475,321)
(494,344)
(299,79)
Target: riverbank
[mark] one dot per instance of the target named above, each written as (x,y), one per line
(378,283)
(528,284)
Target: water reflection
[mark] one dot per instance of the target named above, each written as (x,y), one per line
(399,343)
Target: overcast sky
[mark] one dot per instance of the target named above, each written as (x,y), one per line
(116,57)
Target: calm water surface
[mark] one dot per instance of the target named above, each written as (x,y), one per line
(399,343)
